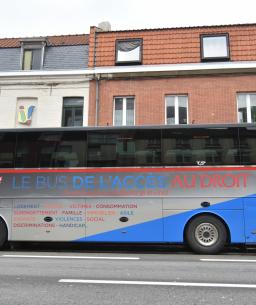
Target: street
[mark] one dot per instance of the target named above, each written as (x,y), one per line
(126,277)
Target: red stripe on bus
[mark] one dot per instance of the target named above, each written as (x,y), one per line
(125,170)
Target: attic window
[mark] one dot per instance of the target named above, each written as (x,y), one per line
(214,47)
(32,53)
(32,59)
(129,51)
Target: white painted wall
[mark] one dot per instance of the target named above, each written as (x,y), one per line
(49,95)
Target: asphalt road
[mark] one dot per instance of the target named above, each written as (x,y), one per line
(126,277)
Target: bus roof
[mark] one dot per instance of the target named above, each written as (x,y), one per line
(136,127)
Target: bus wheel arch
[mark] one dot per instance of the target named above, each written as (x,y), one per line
(3,233)
(208,225)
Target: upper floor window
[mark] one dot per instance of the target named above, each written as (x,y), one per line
(124,111)
(176,109)
(32,52)
(72,111)
(215,47)
(128,51)
(246,107)
(32,59)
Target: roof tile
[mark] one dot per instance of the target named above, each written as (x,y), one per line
(177,45)
(62,40)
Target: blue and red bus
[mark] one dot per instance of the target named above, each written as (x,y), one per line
(192,184)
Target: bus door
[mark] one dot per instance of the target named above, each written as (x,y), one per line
(250,219)
(124,220)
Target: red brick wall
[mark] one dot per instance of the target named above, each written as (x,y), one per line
(91,54)
(177,45)
(211,99)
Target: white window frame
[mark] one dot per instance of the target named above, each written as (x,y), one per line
(176,108)
(124,98)
(248,106)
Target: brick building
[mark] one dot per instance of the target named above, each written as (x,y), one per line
(187,75)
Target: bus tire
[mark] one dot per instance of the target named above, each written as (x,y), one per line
(3,233)
(206,234)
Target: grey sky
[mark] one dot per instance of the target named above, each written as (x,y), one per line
(19,18)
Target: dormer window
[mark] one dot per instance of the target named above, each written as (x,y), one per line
(128,51)
(32,53)
(215,47)
(32,59)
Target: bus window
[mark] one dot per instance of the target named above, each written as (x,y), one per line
(27,150)
(204,146)
(147,147)
(50,149)
(70,151)
(248,145)
(124,148)
(7,149)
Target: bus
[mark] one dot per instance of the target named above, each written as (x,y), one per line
(193,184)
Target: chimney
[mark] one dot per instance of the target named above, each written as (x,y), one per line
(105,26)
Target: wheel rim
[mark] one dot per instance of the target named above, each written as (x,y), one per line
(206,234)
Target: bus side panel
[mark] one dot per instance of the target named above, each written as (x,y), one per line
(48,219)
(192,203)
(124,220)
(250,220)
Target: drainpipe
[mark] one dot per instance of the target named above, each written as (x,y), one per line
(97,102)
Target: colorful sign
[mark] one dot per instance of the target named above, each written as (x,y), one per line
(128,182)
(25,115)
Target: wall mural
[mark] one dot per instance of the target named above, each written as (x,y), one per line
(25,114)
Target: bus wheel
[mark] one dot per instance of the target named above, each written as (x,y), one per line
(3,233)
(206,234)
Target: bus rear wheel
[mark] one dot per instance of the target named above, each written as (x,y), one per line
(3,233)
(206,234)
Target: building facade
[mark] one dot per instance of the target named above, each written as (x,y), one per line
(189,75)
(43,81)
